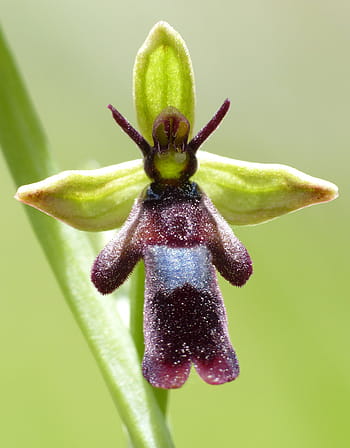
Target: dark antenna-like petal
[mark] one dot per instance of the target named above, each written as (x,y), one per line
(210,127)
(130,130)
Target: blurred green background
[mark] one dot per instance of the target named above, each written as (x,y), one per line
(285,66)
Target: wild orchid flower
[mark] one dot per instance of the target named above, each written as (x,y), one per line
(179,232)
(180,235)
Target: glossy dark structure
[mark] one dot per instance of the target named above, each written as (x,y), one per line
(182,238)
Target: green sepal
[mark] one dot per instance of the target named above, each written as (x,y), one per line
(91,200)
(163,77)
(243,192)
(248,193)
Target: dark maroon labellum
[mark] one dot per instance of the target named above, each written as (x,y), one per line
(182,238)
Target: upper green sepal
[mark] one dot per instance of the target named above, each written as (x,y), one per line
(243,192)
(248,193)
(163,77)
(91,200)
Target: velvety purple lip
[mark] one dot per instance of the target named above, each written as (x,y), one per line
(187,326)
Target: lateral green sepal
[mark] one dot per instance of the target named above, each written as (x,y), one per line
(251,193)
(91,200)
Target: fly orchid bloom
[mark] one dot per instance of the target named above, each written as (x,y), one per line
(173,225)
(180,235)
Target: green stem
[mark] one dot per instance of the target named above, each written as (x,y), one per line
(70,254)
(162,397)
